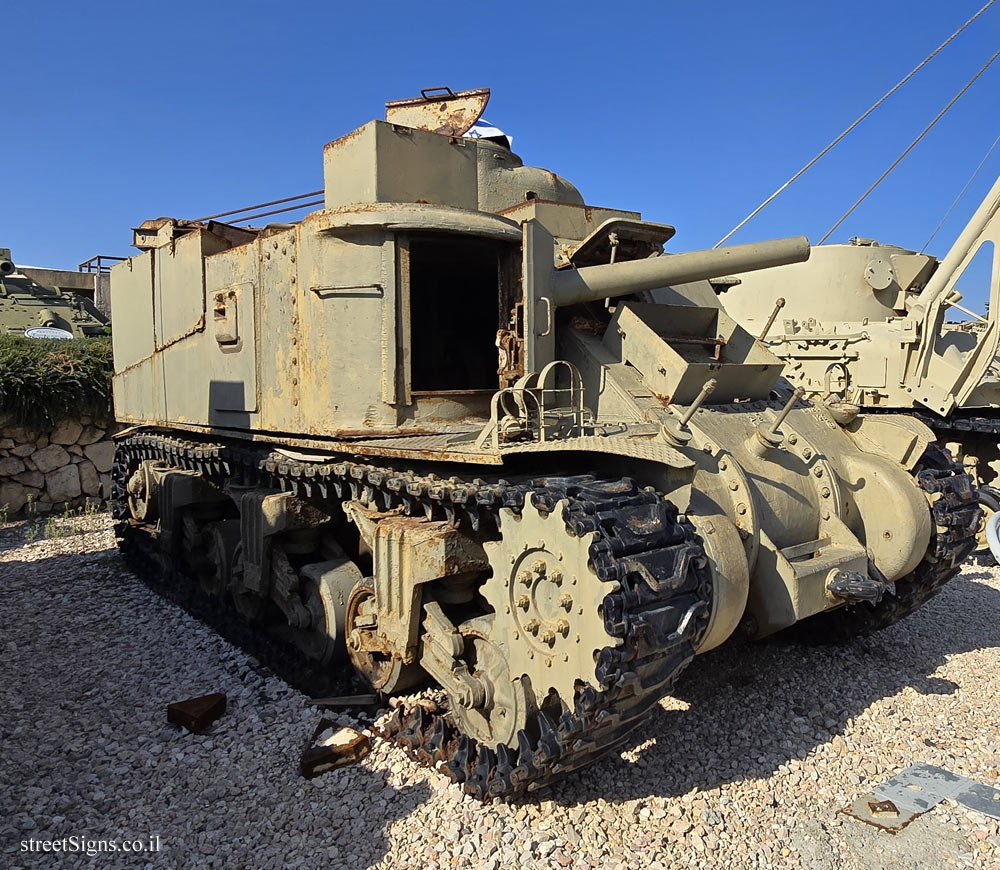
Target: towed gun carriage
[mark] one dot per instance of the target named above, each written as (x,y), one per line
(865,325)
(437,426)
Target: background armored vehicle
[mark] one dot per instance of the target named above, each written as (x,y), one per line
(437,424)
(31,309)
(866,325)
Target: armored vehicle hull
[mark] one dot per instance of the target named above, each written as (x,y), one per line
(33,310)
(436,428)
(866,326)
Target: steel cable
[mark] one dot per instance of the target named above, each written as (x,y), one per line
(961,193)
(911,146)
(850,127)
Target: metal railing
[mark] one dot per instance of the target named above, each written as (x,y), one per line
(99,265)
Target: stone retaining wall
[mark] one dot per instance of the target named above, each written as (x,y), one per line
(56,470)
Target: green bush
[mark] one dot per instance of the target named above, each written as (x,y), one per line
(45,381)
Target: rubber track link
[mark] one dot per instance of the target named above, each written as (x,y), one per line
(658,603)
(955,515)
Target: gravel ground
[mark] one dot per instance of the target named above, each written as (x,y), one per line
(747,767)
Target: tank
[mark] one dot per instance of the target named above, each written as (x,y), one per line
(33,310)
(865,326)
(437,432)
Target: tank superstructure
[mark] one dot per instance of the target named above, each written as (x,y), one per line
(33,310)
(866,325)
(438,427)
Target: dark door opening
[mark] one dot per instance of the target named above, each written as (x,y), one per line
(454,304)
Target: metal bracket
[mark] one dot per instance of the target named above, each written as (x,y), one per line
(443,645)
(263,514)
(176,489)
(408,552)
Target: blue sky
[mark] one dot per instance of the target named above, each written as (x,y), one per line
(688,112)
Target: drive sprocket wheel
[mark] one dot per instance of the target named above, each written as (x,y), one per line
(547,600)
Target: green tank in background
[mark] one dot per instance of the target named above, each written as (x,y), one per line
(437,428)
(864,327)
(30,309)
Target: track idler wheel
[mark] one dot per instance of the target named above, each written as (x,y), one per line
(382,671)
(143,492)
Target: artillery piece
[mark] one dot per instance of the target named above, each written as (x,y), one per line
(35,311)
(865,325)
(436,428)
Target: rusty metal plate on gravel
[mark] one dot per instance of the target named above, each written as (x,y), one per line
(917,789)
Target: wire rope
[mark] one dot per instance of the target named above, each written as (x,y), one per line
(961,193)
(850,127)
(911,146)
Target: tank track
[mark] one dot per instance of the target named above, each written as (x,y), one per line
(959,423)
(955,515)
(172,583)
(658,601)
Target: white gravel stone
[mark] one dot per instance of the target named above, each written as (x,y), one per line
(749,765)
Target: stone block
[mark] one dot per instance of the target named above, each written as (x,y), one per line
(90,480)
(31,478)
(89,435)
(11,466)
(41,441)
(102,454)
(24,450)
(62,484)
(332,747)
(105,486)
(6,443)
(50,458)
(75,449)
(12,496)
(22,435)
(66,432)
